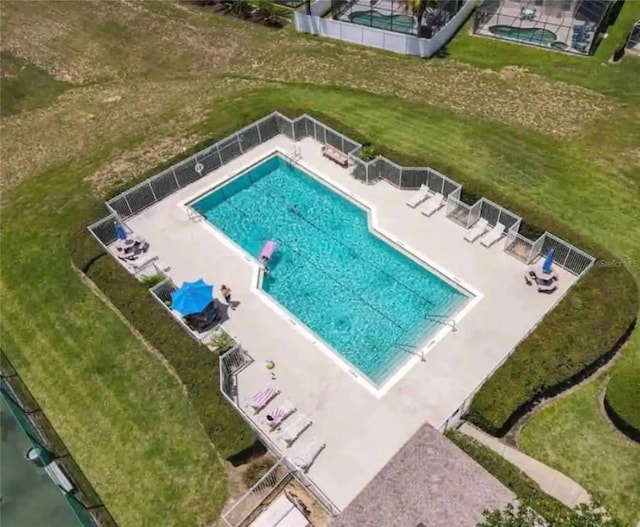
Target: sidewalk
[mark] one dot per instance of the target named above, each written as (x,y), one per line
(550,480)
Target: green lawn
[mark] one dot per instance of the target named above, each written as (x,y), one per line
(572,430)
(139,97)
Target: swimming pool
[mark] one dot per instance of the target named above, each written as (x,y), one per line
(365,299)
(398,23)
(525,34)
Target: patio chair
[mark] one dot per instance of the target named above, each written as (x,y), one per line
(309,454)
(275,418)
(434,204)
(418,197)
(262,398)
(293,431)
(549,288)
(204,320)
(479,228)
(493,235)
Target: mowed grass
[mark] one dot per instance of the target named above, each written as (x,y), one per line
(605,463)
(144,97)
(24,86)
(121,414)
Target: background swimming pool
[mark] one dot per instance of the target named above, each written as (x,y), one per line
(360,295)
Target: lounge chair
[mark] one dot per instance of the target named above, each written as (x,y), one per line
(308,456)
(418,197)
(293,431)
(493,235)
(275,418)
(550,288)
(479,228)
(262,398)
(434,203)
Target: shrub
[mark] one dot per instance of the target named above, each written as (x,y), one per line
(367,153)
(256,470)
(196,366)
(583,331)
(150,280)
(510,476)
(221,342)
(621,399)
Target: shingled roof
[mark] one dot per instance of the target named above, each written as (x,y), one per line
(429,481)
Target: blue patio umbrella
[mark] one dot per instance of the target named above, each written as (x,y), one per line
(548,262)
(121,233)
(192,297)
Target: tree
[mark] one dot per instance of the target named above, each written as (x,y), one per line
(585,515)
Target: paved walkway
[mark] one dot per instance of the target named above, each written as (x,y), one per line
(550,480)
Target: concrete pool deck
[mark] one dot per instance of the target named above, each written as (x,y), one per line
(362,431)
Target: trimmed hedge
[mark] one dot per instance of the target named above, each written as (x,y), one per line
(510,476)
(584,330)
(622,401)
(579,335)
(196,365)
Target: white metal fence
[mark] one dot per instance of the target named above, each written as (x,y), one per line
(378,38)
(173,178)
(275,478)
(231,363)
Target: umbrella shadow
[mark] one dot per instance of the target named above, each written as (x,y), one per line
(222,309)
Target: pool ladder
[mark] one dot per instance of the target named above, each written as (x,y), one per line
(295,154)
(438,319)
(412,349)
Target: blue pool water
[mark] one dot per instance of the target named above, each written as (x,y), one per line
(359,294)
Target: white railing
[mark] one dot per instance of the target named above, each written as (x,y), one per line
(369,172)
(274,478)
(229,368)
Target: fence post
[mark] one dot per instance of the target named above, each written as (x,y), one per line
(259,134)
(173,170)
(127,202)
(219,156)
(155,199)
(239,143)
(567,256)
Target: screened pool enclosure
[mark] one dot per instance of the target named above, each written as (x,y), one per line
(574,26)
(423,19)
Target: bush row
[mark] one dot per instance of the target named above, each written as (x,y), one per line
(579,335)
(527,490)
(584,330)
(622,401)
(195,364)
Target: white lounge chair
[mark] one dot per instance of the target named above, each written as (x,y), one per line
(309,454)
(293,431)
(262,398)
(479,228)
(275,418)
(433,204)
(493,235)
(419,197)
